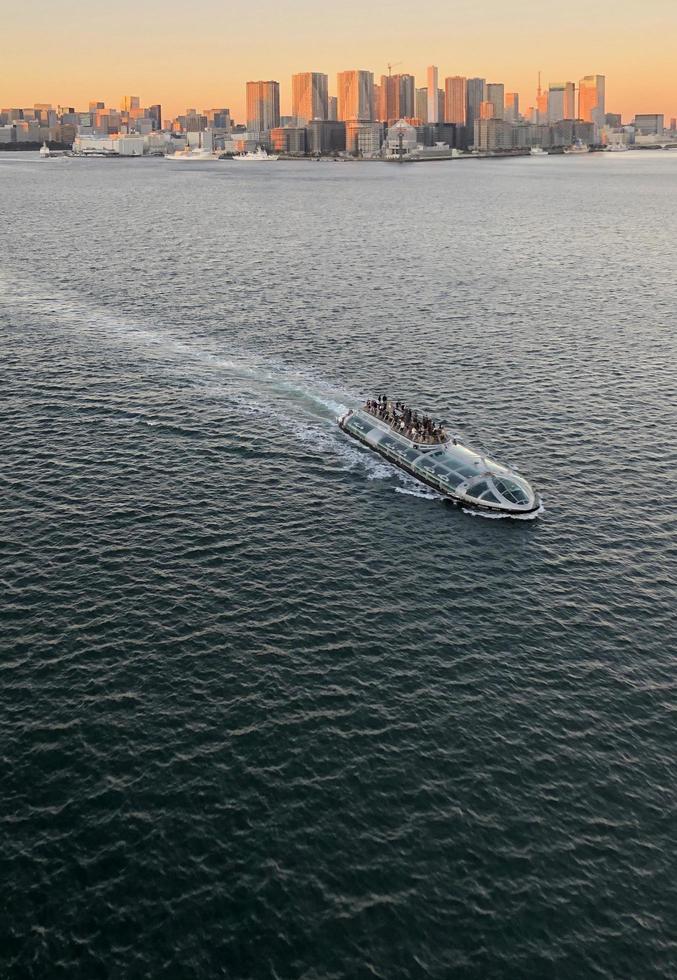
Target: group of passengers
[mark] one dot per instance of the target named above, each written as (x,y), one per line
(402,419)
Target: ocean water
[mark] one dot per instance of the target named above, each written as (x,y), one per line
(268,708)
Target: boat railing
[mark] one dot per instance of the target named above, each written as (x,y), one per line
(430,434)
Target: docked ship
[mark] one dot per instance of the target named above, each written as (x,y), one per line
(259,155)
(198,154)
(578,146)
(538,151)
(425,450)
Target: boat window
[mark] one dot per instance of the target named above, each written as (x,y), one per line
(412,454)
(511,491)
(466,470)
(451,478)
(478,489)
(491,497)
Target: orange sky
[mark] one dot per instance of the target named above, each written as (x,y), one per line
(201,55)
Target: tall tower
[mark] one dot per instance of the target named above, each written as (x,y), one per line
(454,100)
(475,91)
(355,95)
(512,107)
(496,95)
(397,98)
(591,106)
(309,97)
(263,106)
(433,103)
(422,104)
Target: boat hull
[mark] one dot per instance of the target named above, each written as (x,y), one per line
(460,500)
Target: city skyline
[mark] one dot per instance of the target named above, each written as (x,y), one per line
(209,62)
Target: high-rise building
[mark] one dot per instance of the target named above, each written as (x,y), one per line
(422,104)
(454,100)
(309,96)
(475,94)
(591,101)
(487,110)
(332,108)
(130,102)
(496,95)
(263,106)
(561,101)
(397,98)
(155,113)
(355,95)
(433,102)
(512,107)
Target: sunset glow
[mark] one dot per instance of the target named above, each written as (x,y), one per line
(204,55)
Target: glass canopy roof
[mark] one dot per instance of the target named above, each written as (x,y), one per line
(452,467)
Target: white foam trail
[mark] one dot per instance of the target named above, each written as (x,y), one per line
(423,494)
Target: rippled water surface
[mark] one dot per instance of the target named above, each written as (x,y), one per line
(268,709)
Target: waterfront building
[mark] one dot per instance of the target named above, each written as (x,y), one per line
(332,110)
(496,95)
(355,95)
(401,140)
(494,135)
(433,99)
(475,94)
(650,124)
(454,100)
(512,107)
(310,96)
(422,104)
(363,138)
(263,106)
(325,136)
(487,110)
(591,96)
(288,139)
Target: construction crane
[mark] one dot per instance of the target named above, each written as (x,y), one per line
(392,65)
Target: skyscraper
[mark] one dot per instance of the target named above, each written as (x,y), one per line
(591,101)
(130,102)
(454,100)
(422,104)
(332,108)
(512,107)
(263,106)
(475,92)
(309,96)
(496,95)
(561,101)
(397,98)
(355,94)
(433,105)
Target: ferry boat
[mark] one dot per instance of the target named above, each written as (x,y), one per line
(425,451)
(578,146)
(260,155)
(192,155)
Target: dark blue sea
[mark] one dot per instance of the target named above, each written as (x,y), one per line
(269,710)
